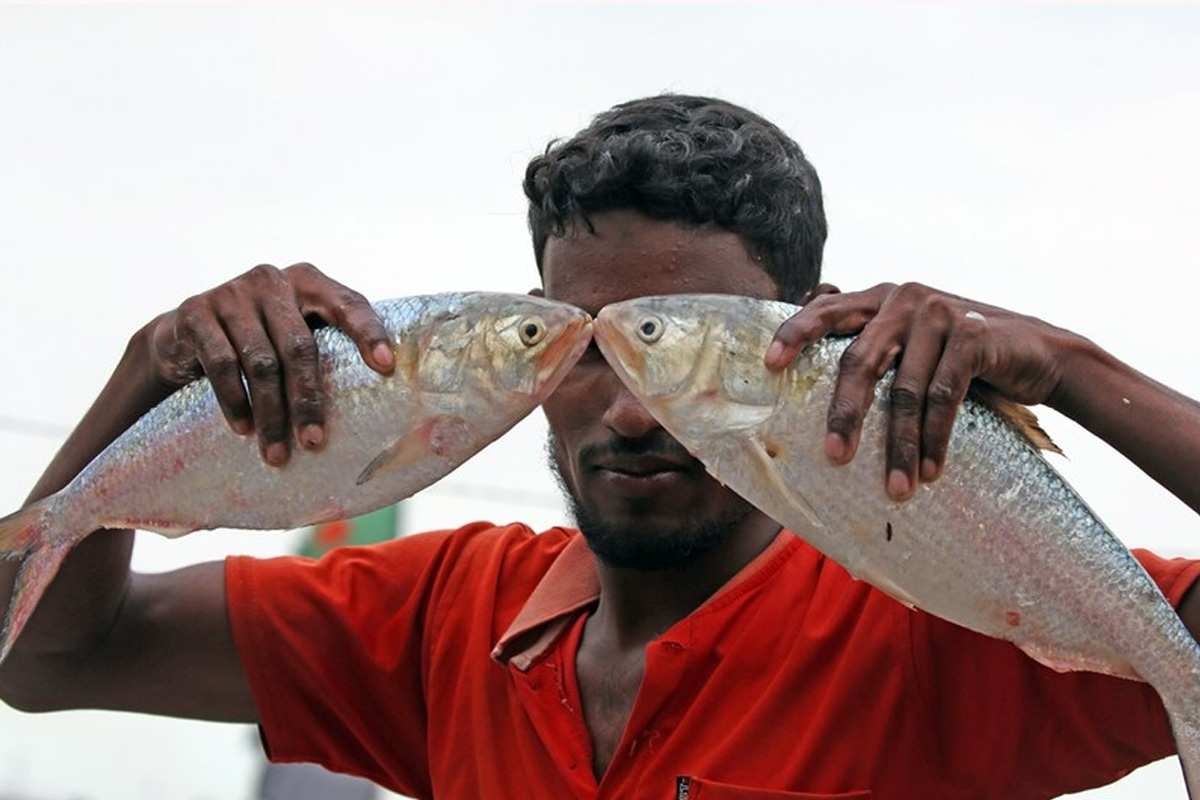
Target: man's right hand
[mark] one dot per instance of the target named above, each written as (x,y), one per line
(252,338)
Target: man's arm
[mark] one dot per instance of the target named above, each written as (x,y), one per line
(104,637)
(939,343)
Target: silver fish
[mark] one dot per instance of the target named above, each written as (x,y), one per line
(1000,544)
(468,367)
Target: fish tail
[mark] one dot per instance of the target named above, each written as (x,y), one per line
(24,536)
(1185,725)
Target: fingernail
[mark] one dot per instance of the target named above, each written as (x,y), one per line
(311,436)
(835,448)
(242,426)
(774,355)
(383,354)
(929,470)
(898,485)
(277,453)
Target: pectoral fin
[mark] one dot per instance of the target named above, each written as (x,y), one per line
(435,438)
(765,453)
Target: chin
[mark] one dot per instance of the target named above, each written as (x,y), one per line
(644,543)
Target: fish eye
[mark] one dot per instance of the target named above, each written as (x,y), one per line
(532,331)
(650,329)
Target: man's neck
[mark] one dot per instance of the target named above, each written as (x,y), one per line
(637,606)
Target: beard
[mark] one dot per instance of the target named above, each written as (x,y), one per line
(649,543)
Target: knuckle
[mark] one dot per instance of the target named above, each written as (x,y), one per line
(300,349)
(943,394)
(261,366)
(349,299)
(855,360)
(305,408)
(905,399)
(844,416)
(263,273)
(903,451)
(911,289)
(304,268)
(940,305)
(221,368)
(789,331)
(886,289)
(272,429)
(190,311)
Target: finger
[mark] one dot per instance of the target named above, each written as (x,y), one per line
(907,400)
(300,370)
(826,313)
(817,291)
(191,342)
(947,389)
(348,310)
(220,364)
(260,364)
(861,366)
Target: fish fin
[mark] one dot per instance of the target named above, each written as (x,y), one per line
(1021,418)
(1186,730)
(23,535)
(1060,662)
(439,436)
(765,451)
(765,454)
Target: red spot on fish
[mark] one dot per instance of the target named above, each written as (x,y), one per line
(1013,618)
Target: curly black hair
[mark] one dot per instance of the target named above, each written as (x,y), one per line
(692,160)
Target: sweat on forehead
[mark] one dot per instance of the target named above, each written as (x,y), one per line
(695,161)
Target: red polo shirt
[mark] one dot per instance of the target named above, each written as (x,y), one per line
(443,664)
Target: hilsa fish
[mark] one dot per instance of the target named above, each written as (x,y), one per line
(468,366)
(1000,544)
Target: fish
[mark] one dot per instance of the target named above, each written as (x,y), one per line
(468,366)
(1000,543)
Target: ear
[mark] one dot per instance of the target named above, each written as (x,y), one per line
(537,292)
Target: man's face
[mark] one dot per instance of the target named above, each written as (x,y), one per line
(641,500)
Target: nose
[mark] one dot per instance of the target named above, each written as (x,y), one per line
(626,416)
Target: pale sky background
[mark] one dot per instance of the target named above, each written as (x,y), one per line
(1038,157)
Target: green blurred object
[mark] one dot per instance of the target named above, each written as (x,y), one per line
(377,526)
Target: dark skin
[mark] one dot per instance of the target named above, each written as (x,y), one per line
(629,256)
(101,630)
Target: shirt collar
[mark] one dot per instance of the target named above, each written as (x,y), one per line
(572,584)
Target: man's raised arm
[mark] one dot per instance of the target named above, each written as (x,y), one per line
(105,637)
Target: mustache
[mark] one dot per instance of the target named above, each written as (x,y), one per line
(657,444)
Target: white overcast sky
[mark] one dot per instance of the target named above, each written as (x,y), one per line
(1038,157)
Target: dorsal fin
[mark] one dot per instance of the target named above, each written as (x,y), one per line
(1024,420)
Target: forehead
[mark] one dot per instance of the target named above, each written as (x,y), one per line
(631,255)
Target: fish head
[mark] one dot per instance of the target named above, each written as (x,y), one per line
(695,361)
(502,346)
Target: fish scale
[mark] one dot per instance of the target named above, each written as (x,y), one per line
(1000,543)
(468,366)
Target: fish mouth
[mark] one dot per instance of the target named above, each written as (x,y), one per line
(560,355)
(621,355)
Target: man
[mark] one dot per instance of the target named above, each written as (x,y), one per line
(683,643)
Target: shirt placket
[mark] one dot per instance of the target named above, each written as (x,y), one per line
(653,718)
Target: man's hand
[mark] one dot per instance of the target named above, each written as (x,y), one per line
(256,328)
(938,344)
